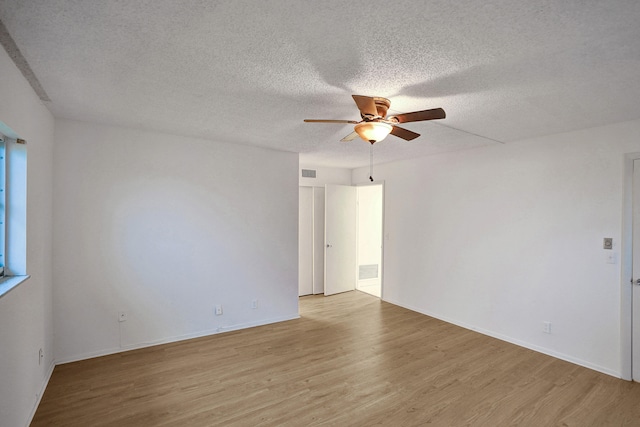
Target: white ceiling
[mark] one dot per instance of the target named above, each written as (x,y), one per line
(249,72)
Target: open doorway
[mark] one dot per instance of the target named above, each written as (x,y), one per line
(311,241)
(366,260)
(369,239)
(630,283)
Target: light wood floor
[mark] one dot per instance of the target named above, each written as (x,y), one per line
(351,360)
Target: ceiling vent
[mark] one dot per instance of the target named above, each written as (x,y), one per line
(308,173)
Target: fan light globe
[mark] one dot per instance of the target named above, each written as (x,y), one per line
(373,131)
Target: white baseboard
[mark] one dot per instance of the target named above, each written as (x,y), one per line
(218,330)
(43,387)
(515,341)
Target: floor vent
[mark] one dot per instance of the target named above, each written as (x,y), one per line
(308,173)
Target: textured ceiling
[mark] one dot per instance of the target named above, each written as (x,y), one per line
(249,72)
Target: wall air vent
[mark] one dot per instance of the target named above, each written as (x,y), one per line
(308,173)
(368,271)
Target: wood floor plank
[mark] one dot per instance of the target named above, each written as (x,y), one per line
(350,360)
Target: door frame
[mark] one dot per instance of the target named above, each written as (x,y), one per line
(305,239)
(382,265)
(626,269)
(318,240)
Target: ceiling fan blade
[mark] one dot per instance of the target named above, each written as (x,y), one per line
(418,116)
(350,137)
(366,105)
(403,133)
(353,122)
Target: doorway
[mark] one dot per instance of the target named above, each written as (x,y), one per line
(311,241)
(630,274)
(369,239)
(366,253)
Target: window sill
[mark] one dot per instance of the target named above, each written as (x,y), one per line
(8,283)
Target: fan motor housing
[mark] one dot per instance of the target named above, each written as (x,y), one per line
(382,105)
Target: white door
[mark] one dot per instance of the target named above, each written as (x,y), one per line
(339,239)
(635,328)
(305,241)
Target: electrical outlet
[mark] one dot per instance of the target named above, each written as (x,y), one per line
(122,316)
(40,356)
(218,310)
(546,327)
(254,304)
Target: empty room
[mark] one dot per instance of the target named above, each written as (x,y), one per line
(296,213)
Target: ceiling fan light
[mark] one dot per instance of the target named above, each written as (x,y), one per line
(373,131)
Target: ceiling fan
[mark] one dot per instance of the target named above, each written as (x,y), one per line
(375,125)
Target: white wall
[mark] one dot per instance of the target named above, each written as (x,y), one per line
(164,228)
(26,312)
(502,238)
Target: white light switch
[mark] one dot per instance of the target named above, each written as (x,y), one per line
(611,258)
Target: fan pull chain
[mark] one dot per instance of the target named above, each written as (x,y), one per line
(371,162)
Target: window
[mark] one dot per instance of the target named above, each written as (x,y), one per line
(3,175)
(13,209)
